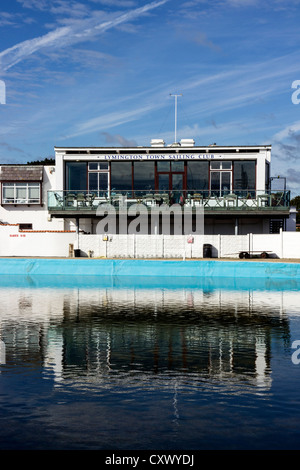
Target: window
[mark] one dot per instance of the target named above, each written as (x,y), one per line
(197,176)
(220,178)
(21,193)
(25,226)
(98,177)
(121,176)
(144,176)
(244,177)
(76,176)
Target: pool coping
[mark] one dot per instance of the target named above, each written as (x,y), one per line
(197,268)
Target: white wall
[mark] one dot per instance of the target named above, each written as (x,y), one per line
(34,214)
(17,243)
(56,243)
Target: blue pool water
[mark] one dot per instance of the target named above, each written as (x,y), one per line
(131,363)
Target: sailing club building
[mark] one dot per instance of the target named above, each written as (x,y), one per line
(154,201)
(231,184)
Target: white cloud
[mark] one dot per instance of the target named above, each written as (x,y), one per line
(74,33)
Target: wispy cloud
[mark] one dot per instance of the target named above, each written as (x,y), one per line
(110,120)
(64,36)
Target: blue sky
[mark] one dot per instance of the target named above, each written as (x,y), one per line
(100,73)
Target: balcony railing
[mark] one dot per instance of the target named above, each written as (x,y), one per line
(85,201)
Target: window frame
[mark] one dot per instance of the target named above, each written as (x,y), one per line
(17,185)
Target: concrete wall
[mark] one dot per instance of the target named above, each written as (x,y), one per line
(14,242)
(283,245)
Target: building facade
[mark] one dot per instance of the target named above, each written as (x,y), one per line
(231,185)
(221,190)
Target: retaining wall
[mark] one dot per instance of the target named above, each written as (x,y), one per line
(14,242)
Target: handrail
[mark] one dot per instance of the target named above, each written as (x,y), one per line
(238,199)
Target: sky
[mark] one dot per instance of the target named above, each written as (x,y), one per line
(102,73)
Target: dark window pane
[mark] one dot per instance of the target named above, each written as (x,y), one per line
(76,176)
(244,175)
(226,165)
(177,182)
(163,166)
(177,166)
(163,182)
(93,181)
(215,165)
(103,166)
(121,176)
(93,166)
(215,183)
(197,176)
(103,181)
(144,176)
(225,182)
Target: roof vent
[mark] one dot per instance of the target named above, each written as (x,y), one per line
(187,142)
(157,143)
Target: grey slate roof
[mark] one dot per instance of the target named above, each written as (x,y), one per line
(21,173)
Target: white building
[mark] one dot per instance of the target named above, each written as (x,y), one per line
(230,186)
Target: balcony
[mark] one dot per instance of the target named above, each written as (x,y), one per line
(238,202)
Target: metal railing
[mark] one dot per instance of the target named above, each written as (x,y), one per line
(236,200)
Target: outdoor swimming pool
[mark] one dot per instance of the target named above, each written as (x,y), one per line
(131,363)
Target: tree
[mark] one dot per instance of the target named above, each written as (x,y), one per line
(296,202)
(46,161)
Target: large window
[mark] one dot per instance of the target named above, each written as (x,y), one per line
(197,176)
(76,176)
(244,177)
(220,178)
(121,176)
(21,193)
(98,177)
(144,176)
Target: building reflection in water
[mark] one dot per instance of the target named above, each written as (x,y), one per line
(85,334)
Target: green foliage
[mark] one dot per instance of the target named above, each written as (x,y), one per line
(46,161)
(296,202)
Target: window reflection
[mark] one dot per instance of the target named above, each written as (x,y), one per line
(144,176)
(121,176)
(197,176)
(76,176)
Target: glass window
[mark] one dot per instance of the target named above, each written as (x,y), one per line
(215,181)
(34,192)
(76,176)
(21,193)
(226,165)
(8,191)
(215,165)
(244,175)
(163,182)
(144,178)
(103,165)
(197,176)
(163,166)
(121,176)
(93,181)
(177,166)
(93,166)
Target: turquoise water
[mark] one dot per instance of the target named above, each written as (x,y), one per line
(135,363)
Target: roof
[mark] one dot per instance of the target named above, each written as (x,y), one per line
(21,173)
